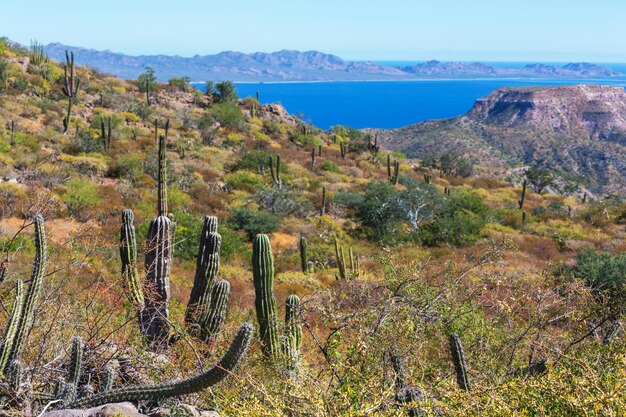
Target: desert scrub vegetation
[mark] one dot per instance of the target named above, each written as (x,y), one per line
(144,285)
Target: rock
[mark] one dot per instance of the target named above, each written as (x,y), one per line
(184,410)
(107,410)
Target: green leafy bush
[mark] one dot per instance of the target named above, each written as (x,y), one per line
(80,194)
(330,167)
(126,167)
(253,221)
(228,115)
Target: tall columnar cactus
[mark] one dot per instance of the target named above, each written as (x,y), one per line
(293,328)
(207,269)
(105,132)
(341,260)
(323,207)
(263,273)
(343,148)
(312,158)
(214,314)
(11,329)
(428,178)
(71,85)
(275,171)
(27,315)
(215,374)
(304,259)
(76,361)
(128,255)
(154,319)
(460,366)
(520,202)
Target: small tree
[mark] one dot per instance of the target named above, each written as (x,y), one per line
(226,92)
(539,178)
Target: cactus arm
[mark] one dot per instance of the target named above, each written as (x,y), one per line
(108,378)
(215,374)
(128,256)
(34,290)
(9,334)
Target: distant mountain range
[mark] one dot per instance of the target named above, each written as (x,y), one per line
(306,66)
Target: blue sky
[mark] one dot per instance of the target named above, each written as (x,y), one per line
(547,30)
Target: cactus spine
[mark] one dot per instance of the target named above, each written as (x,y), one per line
(207,269)
(128,255)
(263,273)
(214,315)
(460,366)
(154,319)
(76,361)
(71,85)
(11,330)
(304,259)
(293,328)
(215,374)
(27,315)
(520,202)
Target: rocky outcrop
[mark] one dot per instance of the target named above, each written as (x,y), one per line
(129,410)
(107,410)
(579,131)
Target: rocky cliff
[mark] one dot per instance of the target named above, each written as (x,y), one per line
(579,131)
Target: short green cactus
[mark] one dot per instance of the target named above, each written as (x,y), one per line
(293,328)
(460,366)
(215,374)
(263,273)
(76,361)
(107,379)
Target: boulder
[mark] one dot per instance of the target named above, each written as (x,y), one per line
(107,410)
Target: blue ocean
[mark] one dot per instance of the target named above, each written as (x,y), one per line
(388,104)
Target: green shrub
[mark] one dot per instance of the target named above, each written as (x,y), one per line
(126,167)
(330,167)
(228,115)
(241,180)
(602,270)
(458,222)
(253,222)
(80,194)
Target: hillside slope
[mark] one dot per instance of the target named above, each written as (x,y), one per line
(389,257)
(577,130)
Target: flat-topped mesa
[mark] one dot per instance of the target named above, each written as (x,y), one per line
(599,110)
